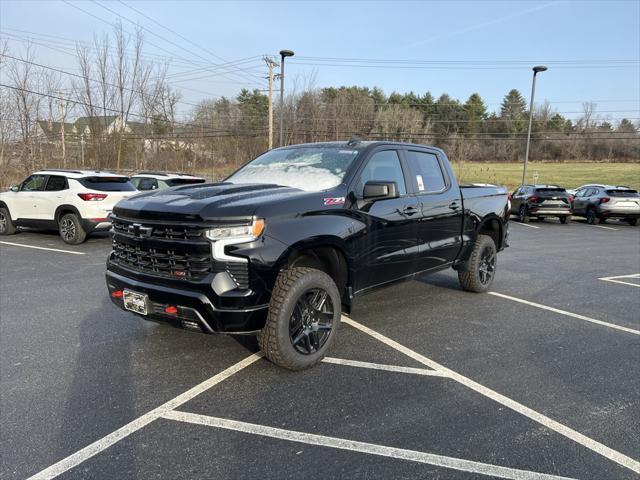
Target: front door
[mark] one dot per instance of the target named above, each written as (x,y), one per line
(26,203)
(386,250)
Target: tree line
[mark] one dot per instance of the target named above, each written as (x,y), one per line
(117,110)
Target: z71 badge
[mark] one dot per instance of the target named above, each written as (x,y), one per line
(334,201)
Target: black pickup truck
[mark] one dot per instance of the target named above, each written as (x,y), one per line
(283,246)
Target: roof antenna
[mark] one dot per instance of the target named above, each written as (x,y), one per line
(355,139)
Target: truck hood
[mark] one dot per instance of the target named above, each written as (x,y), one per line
(204,201)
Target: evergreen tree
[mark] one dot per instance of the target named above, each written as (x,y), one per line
(513,112)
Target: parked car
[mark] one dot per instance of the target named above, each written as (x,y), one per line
(283,246)
(74,202)
(599,203)
(573,191)
(144,181)
(541,201)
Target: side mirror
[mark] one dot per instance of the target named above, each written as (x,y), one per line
(380,190)
(14,188)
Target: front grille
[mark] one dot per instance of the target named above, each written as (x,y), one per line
(239,271)
(162,261)
(159,231)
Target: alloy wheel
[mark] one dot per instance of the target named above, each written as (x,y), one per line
(487,266)
(68,229)
(311,321)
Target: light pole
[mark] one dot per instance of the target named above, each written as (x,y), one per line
(283,54)
(537,69)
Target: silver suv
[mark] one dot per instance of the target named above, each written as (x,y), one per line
(600,202)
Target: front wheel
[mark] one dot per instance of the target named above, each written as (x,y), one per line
(592,217)
(523,217)
(304,314)
(6,224)
(71,230)
(481,267)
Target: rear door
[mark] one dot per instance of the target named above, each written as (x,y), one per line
(387,250)
(51,197)
(580,200)
(440,217)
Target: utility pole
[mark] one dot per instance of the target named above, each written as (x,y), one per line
(63,114)
(82,148)
(270,64)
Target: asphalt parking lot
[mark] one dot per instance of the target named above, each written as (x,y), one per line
(540,379)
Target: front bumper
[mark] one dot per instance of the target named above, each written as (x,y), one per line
(194,309)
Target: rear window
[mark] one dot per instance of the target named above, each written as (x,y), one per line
(622,193)
(107,184)
(184,181)
(550,190)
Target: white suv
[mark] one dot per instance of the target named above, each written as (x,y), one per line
(144,181)
(74,202)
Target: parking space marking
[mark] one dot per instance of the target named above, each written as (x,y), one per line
(387,368)
(361,447)
(616,279)
(543,420)
(131,427)
(602,226)
(568,314)
(43,248)
(524,224)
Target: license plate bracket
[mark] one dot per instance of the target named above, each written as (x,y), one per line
(135,302)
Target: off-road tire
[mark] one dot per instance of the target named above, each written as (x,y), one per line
(566,219)
(6,224)
(469,278)
(523,217)
(71,230)
(274,339)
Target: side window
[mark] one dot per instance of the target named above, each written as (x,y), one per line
(34,183)
(384,166)
(590,192)
(162,184)
(56,183)
(426,171)
(148,184)
(135,181)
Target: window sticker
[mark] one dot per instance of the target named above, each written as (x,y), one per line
(420,182)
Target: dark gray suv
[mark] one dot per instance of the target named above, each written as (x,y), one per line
(541,201)
(599,202)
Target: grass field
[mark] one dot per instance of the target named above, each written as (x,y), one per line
(568,175)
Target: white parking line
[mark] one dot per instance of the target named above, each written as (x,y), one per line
(131,427)
(616,279)
(523,224)
(568,314)
(602,226)
(379,366)
(42,248)
(361,447)
(551,424)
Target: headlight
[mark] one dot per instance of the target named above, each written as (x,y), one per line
(245,233)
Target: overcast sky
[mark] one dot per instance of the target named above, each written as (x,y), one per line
(592,48)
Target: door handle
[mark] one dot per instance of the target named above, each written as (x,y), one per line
(454,206)
(410,210)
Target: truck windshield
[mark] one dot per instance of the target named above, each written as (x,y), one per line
(307,168)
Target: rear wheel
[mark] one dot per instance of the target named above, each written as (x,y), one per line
(523,217)
(565,219)
(71,230)
(6,224)
(304,314)
(632,221)
(481,267)
(592,217)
